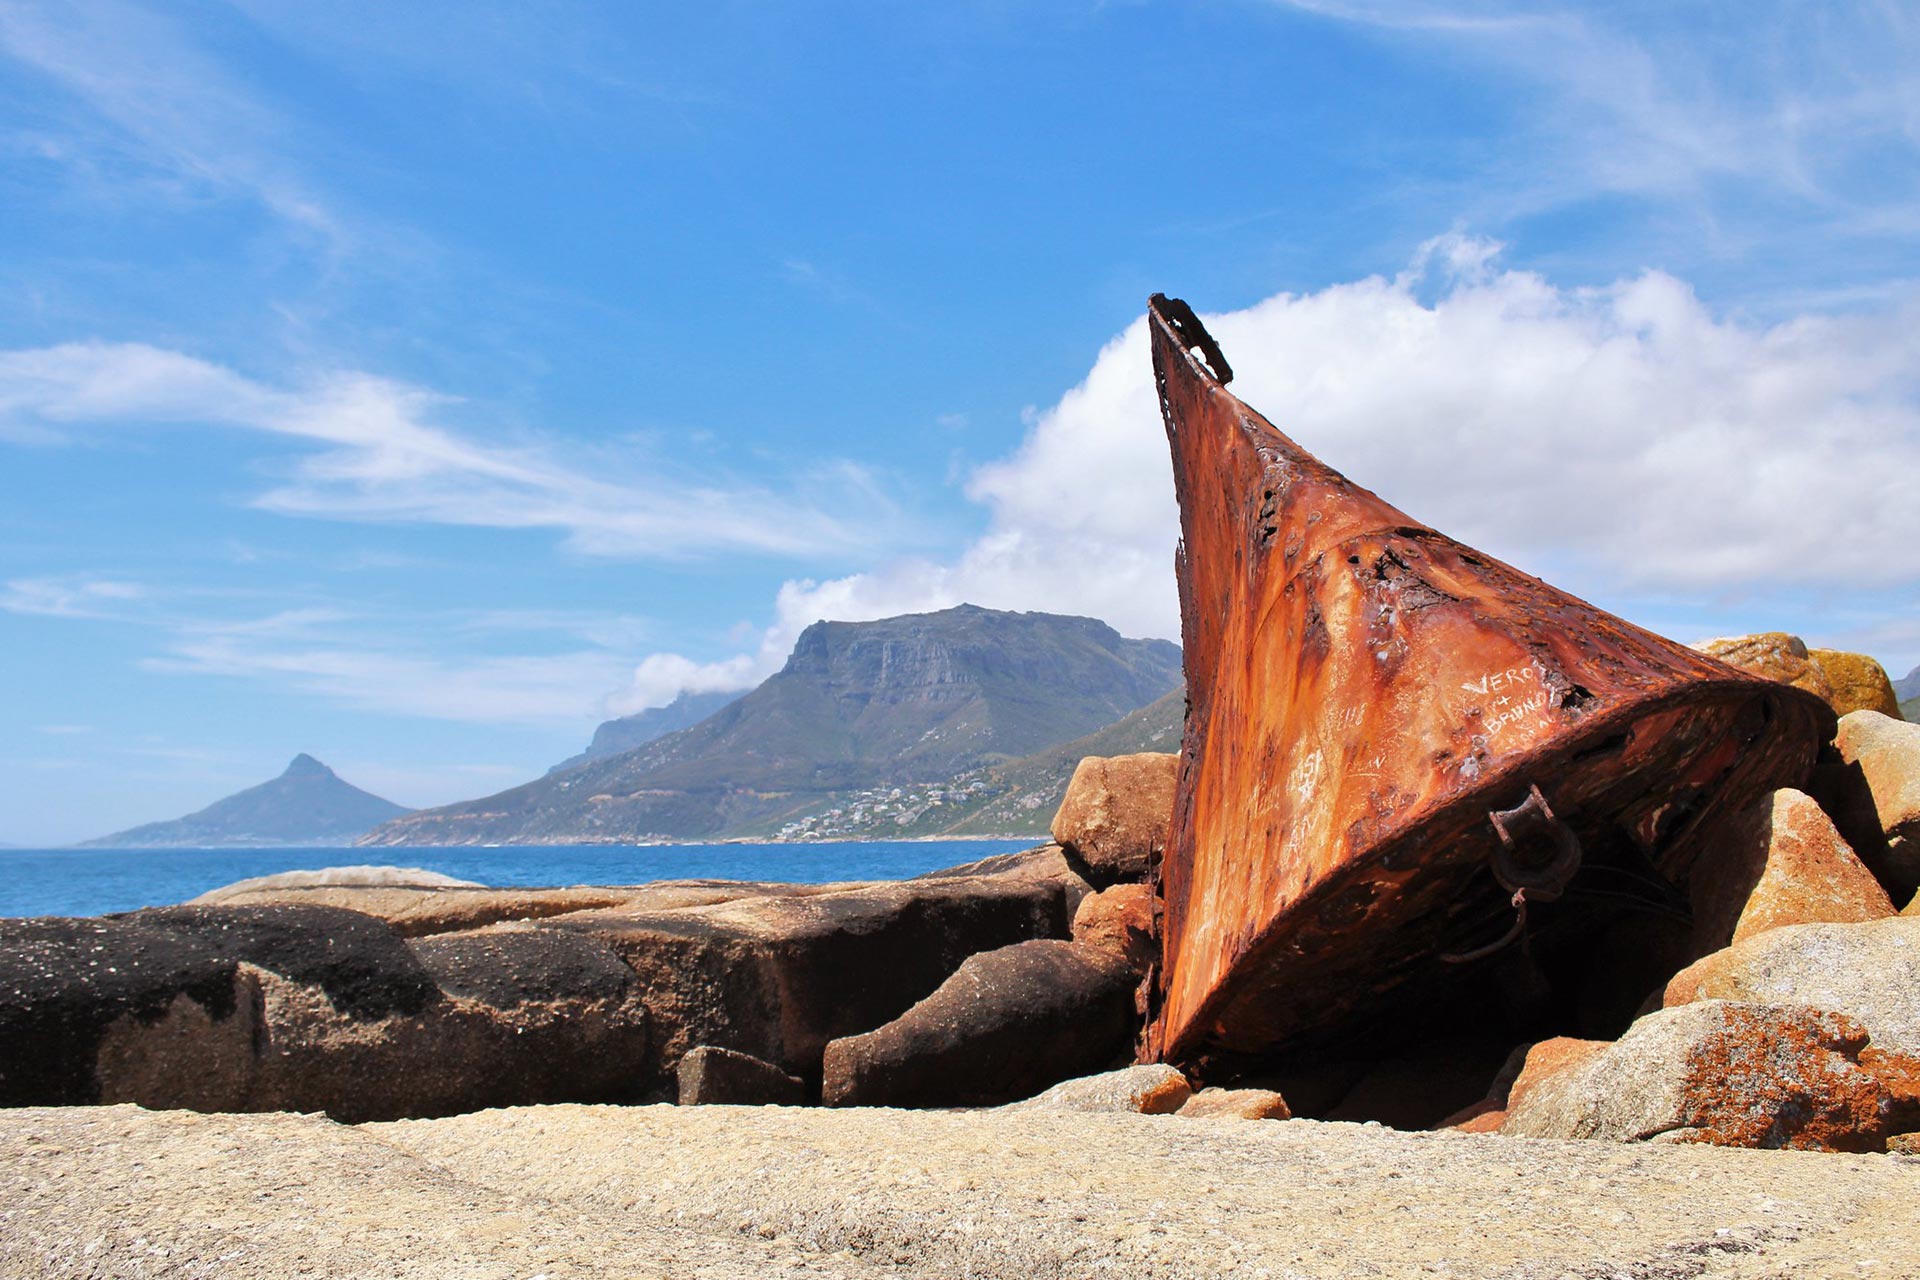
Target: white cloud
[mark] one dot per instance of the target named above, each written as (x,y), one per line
(1623,441)
(382,457)
(68,597)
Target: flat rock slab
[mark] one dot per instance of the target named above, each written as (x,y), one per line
(990,1194)
(154,1195)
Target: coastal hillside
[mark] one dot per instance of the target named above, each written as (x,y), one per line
(902,702)
(307,804)
(637,730)
(1013,798)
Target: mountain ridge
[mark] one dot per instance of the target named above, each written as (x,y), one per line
(908,700)
(618,736)
(308,803)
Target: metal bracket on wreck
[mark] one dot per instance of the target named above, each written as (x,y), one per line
(1368,700)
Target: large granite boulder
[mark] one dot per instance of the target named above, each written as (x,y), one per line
(778,977)
(1775,655)
(1727,1074)
(1006,1024)
(1869,971)
(1883,754)
(1782,862)
(358,876)
(309,1009)
(1859,682)
(1117,812)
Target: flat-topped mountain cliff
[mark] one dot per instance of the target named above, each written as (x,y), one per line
(308,804)
(909,700)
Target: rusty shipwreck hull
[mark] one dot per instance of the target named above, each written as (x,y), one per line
(1363,693)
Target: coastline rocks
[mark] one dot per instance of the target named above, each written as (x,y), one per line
(1235,1104)
(778,977)
(1741,1075)
(1006,1023)
(1154,1089)
(1780,863)
(1870,972)
(307,1008)
(1116,814)
(712,1076)
(1859,682)
(1774,655)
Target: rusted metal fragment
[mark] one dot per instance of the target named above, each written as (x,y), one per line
(1363,692)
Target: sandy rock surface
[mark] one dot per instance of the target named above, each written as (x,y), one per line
(722,1192)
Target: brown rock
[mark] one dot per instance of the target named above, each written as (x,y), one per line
(712,1076)
(1120,920)
(1116,813)
(309,1009)
(1007,1023)
(778,977)
(1154,1089)
(1886,754)
(1775,655)
(1236,1104)
(1782,862)
(1739,1075)
(1859,683)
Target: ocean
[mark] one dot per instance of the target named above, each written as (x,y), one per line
(85,882)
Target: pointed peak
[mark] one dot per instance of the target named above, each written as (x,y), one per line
(305,766)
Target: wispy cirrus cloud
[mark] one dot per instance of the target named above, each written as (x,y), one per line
(1763,122)
(68,597)
(382,456)
(145,107)
(537,668)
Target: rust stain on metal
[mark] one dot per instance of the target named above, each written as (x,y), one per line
(1364,693)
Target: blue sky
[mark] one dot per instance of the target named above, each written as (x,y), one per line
(417,385)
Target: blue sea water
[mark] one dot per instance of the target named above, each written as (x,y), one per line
(85,882)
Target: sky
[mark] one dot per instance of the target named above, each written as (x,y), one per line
(419,385)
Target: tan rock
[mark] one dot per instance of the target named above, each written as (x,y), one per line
(1152,1090)
(1120,920)
(1775,655)
(362,875)
(1869,971)
(1726,1074)
(1548,1059)
(1780,863)
(1859,683)
(1116,813)
(1886,753)
(1236,1104)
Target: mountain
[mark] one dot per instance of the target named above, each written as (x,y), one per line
(637,730)
(308,804)
(1908,692)
(1014,798)
(904,701)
